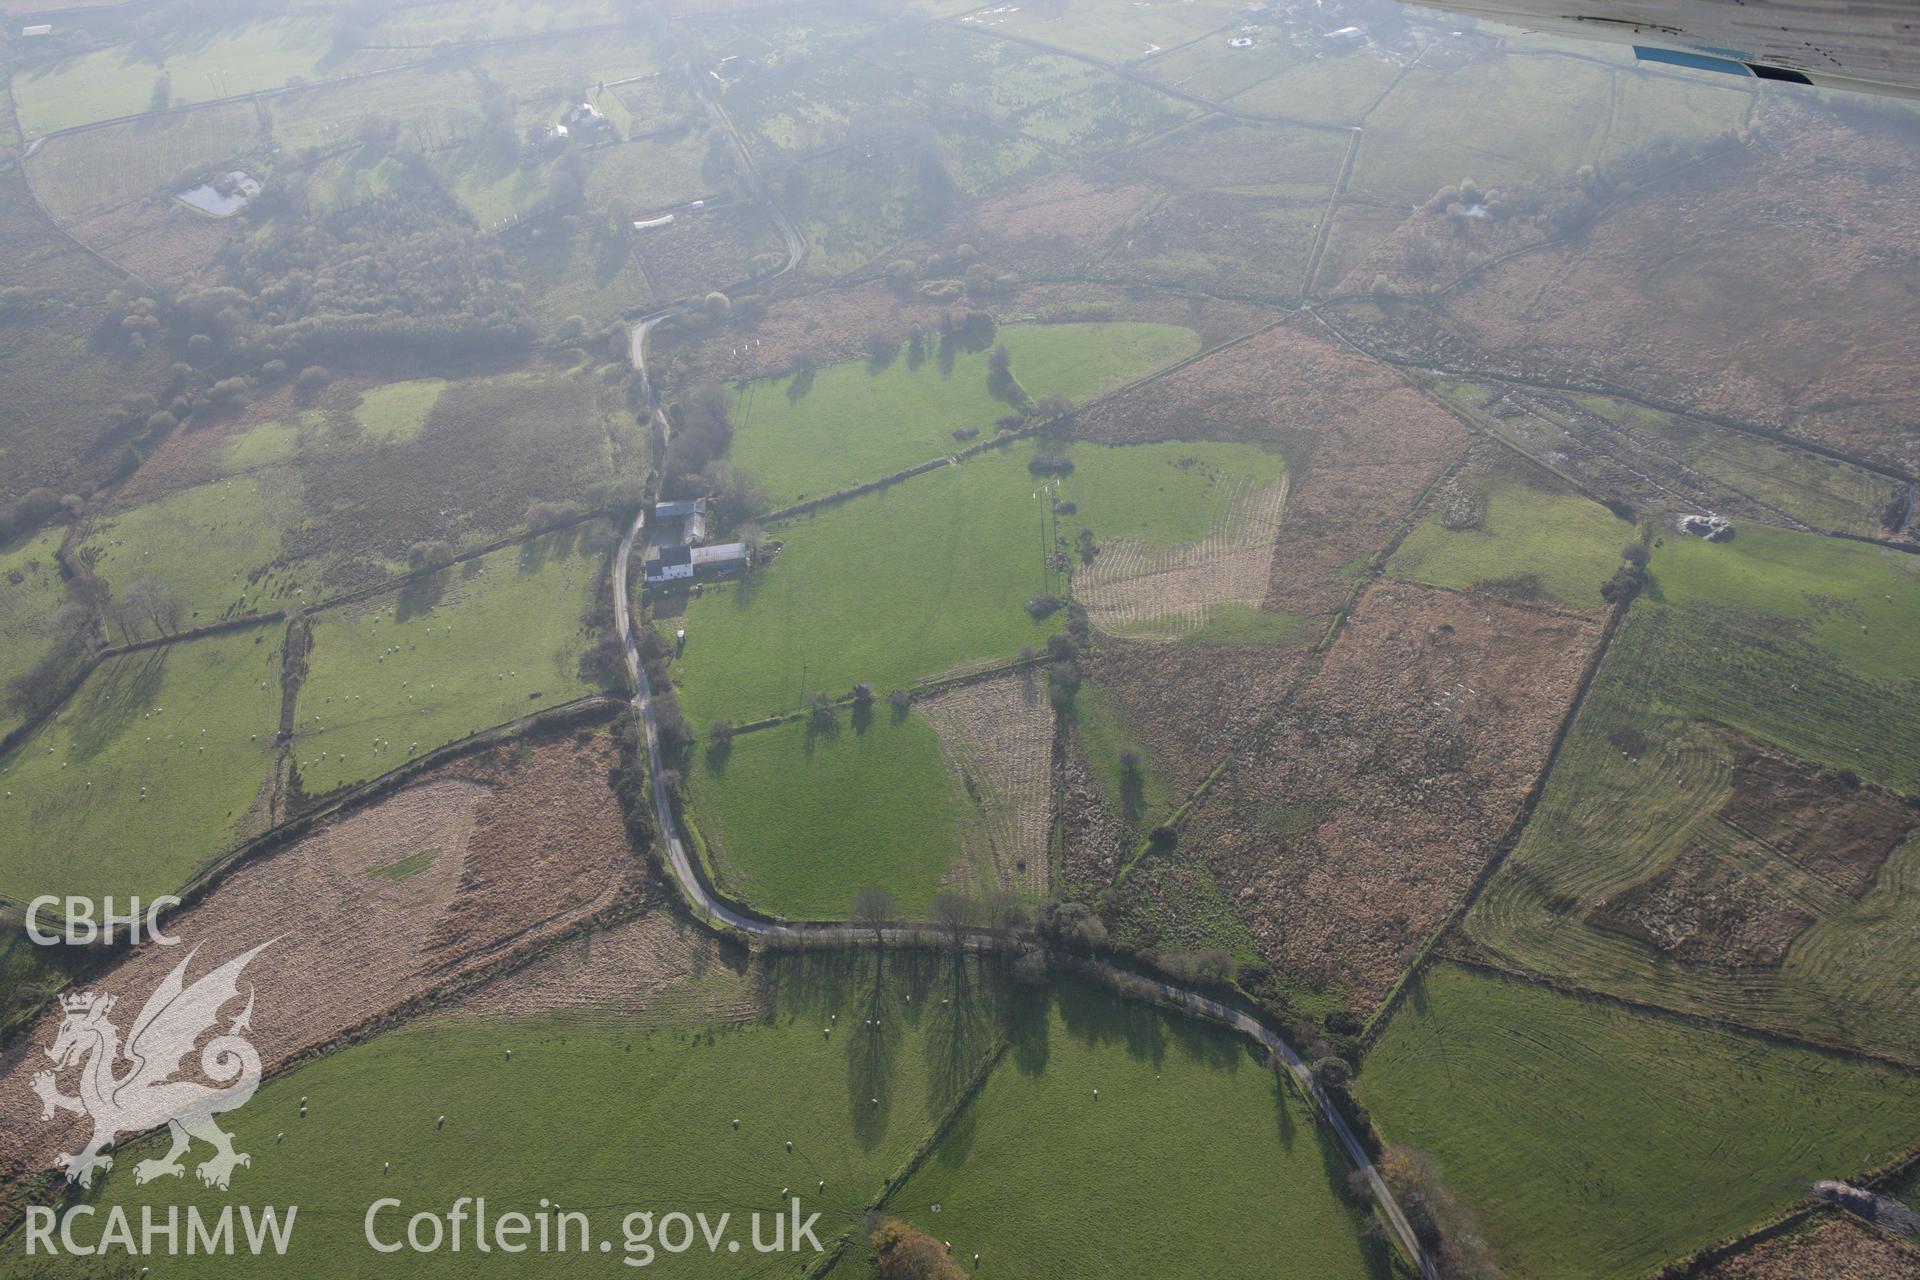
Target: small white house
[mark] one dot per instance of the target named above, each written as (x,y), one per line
(39,29)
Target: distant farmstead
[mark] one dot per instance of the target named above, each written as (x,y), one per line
(586,116)
(1711,527)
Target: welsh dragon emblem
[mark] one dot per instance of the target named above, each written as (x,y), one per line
(146,1095)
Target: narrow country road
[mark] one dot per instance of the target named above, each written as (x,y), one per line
(701,898)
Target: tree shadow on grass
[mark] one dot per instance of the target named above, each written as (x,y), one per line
(816,984)
(1133,795)
(555,544)
(802,383)
(1284,1101)
(960,1033)
(1098,1018)
(1027,1021)
(873,1040)
(421,595)
(113,699)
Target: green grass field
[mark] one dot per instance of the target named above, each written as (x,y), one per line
(1609,822)
(888,588)
(1507,120)
(650,173)
(1209,1170)
(1142,798)
(1648,105)
(1201,1161)
(200,65)
(1328,90)
(431,107)
(396,412)
(1593,1142)
(800,819)
(1824,492)
(1536,541)
(1162,495)
(849,423)
(478,644)
(191,723)
(596,278)
(30,594)
(1765,637)
(932,575)
(1214,69)
(1858,603)
(466,20)
(1119,34)
(1751,637)
(629,1113)
(213,544)
(83,173)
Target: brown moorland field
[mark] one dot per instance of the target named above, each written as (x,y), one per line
(1350,830)
(716,248)
(651,965)
(158,240)
(997,737)
(1760,285)
(1188,702)
(1094,841)
(1361,446)
(1708,909)
(477,864)
(1058,223)
(1838,1248)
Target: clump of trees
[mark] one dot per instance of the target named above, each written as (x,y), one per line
(1627,580)
(402,272)
(1446,1228)
(70,638)
(430,554)
(903,1252)
(702,433)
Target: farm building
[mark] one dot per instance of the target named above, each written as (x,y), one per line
(38,29)
(690,514)
(728,557)
(649,224)
(671,564)
(1345,38)
(682,563)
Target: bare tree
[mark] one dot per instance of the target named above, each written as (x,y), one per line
(956,912)
(148,601)
(874,908)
